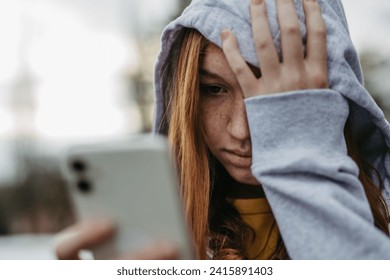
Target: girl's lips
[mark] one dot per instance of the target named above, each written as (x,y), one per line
(240,153)
(238,158)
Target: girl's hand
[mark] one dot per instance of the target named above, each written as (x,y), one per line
(82,236)
(297,71)
(86,235)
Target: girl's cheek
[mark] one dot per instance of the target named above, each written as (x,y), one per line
(215,116)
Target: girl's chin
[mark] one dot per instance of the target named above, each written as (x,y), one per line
(244,177)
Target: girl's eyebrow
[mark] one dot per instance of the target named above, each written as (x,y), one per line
(203,72)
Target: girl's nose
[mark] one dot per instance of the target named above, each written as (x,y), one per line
(238,122)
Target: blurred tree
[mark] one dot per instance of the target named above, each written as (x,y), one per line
(38,202)
(141,82)
(376,69)
(183,4)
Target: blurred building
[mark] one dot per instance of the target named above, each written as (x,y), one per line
(71,71)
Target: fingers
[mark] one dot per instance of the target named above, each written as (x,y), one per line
(84,235)
(292,48)
(316,34)
(236,62)
(89,234)
(296,71)
(265,48)
(157,251)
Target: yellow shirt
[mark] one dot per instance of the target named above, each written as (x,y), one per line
(257,214)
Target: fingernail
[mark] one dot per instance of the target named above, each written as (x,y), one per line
(225,34)
(257,2)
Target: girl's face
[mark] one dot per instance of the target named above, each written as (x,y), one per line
(224,117)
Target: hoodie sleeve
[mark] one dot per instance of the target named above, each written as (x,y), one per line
(300,158)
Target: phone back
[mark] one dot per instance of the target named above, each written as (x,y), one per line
(133,182)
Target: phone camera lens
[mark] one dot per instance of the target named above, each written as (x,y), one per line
(78,165)
(84,186)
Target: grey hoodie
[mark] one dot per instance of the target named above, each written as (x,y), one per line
(298,145)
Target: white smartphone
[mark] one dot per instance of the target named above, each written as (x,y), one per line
(133,182)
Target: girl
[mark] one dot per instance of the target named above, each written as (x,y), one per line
(281,151)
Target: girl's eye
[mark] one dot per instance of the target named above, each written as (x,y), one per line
(212,89)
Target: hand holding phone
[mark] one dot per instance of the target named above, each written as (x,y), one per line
(71,244)
(133,183)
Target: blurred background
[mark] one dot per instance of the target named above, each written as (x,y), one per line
(78,70)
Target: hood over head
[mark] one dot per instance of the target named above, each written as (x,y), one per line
(211,17)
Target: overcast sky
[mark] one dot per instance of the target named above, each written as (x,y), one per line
(369,23)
